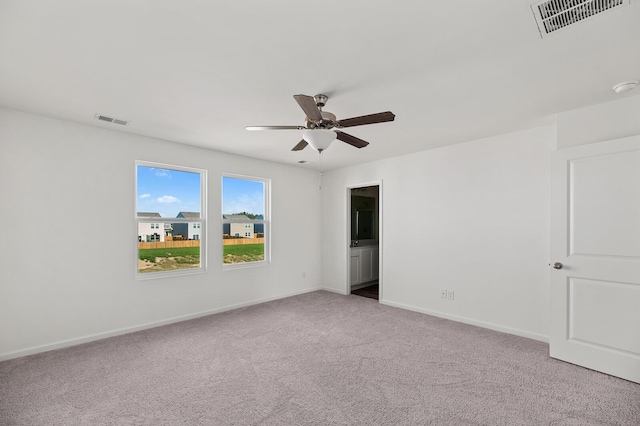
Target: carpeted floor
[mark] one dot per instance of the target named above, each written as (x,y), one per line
(314,359)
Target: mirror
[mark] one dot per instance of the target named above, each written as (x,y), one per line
(364,224)
(363,218)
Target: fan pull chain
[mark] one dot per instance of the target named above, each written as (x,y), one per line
(321,172)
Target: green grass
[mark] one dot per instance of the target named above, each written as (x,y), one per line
(240,253)
(168,259)
(151,254)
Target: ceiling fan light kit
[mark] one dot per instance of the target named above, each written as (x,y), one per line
(319,139)
(319,124)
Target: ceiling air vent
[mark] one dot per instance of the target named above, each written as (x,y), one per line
(552,15)
(111,120)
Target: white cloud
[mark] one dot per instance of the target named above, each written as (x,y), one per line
(145,195)
(168,199)
(162,173)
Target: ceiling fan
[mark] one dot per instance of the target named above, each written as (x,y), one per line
(319,124)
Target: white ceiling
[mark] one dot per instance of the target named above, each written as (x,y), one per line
(199,71)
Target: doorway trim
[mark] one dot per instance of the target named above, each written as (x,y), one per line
(347,235)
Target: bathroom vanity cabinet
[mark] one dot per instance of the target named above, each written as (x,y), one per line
(364,264)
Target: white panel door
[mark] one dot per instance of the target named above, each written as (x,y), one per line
(595,243)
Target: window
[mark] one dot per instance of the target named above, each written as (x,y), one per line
(245,220)
(168,199)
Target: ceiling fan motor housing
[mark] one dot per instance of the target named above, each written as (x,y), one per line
(328,121)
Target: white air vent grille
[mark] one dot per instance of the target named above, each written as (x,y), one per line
(552,15)
(111,120)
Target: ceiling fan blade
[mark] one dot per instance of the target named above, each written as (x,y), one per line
(300,146)
(351,140)
(380,117)
(275,128)
(308,105)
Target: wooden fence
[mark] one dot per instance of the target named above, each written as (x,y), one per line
(233,241)
(169,244)
(196,243)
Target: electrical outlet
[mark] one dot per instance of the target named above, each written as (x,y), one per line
(450,294)
(443,294)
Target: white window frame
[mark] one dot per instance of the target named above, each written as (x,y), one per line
(203,220)
(266,222)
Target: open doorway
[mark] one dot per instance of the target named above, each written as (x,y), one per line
(364,234)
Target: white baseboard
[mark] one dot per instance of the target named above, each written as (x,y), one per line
(334,290)
(90,338)
(464,320)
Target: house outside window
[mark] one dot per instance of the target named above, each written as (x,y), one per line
(187,230)
(147,231)
(161,191)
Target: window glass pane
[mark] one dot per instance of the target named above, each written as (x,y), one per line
(162,196)
(243,216)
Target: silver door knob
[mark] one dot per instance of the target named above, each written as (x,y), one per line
(557,265)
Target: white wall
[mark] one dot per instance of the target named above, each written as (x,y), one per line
(56,288)
(484,209)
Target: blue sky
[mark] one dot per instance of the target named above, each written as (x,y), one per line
(241,195)
(170,192)
(167,192)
